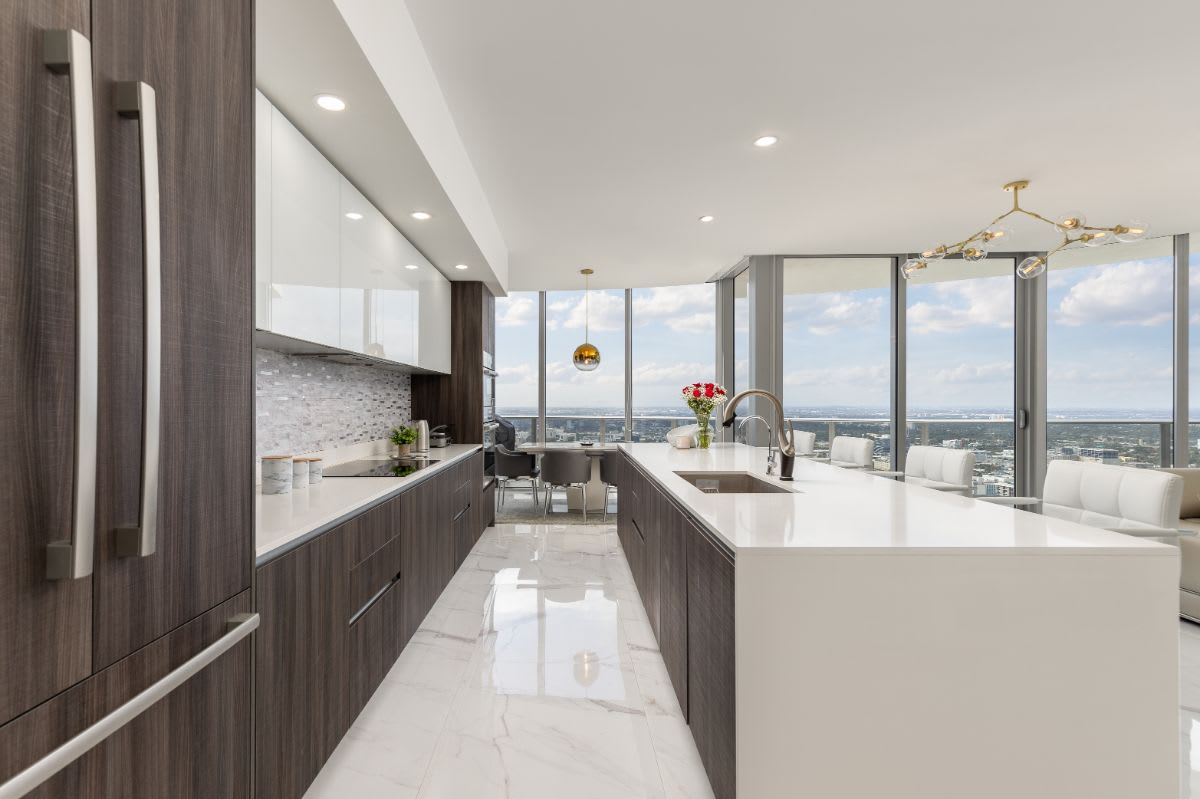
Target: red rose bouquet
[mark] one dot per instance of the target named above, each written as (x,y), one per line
(703,398)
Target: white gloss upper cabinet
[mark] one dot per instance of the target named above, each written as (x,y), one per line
(263,111)
(305,238)
(433,321)
(330,267)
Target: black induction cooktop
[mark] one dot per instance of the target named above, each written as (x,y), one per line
(391,467)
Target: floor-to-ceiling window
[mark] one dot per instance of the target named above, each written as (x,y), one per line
(585,406)
(1192,457)
(1109,353)
(741,332)
(517,361)
(673,344)
(960,357)
(837,348)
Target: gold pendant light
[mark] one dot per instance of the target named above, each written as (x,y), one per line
(1073,227)
(586,357)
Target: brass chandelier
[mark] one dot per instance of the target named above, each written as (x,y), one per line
(1073,227)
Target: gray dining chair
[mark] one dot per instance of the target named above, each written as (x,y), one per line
(564,470)
(515,466)
(608,476)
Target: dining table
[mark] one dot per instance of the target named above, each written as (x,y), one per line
(595,493)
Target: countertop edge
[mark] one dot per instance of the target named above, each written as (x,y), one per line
(287,545)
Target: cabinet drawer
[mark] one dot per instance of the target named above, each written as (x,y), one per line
(369,578)
(372,530)
(193,743)
(375,641)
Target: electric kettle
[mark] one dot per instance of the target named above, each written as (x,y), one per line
(422,442)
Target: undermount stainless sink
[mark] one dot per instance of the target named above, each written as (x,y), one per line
(732,483)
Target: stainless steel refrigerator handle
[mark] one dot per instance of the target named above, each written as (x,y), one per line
(25,781)
(136,100)
(68,52)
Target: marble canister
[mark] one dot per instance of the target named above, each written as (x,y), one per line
(277,474)
(316,470)
(299,473)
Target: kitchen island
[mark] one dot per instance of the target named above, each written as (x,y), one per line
(852,636)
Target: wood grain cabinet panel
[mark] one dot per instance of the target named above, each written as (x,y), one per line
(711,689)
(198,58)
(427,548)
(193,744)
(45,626)
(676,533)
(301,666)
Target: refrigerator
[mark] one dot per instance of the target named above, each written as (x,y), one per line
(126,397)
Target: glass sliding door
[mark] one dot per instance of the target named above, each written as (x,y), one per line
(1109,354)
(960,381)
(517,362)
(585,406)
(837,349)
(673,344)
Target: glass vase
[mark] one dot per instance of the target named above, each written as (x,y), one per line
(704,434)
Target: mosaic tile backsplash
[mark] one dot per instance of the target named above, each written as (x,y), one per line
(309,404)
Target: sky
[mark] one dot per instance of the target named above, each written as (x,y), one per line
(1109,343)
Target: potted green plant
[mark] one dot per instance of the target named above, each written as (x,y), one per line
(403,437)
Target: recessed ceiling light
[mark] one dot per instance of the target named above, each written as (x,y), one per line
(707,218)
(421,215)
(461,266)
(765,141)
(411,266)
(330,102)
(355,215)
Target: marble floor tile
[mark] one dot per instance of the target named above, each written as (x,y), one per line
(536,674)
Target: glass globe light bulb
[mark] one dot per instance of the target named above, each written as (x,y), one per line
(996,236)
(1096,238)
(1132,231)
(974,254)
(586,357)
(1031,267)
(1068,224)
(935,254)
(911,267)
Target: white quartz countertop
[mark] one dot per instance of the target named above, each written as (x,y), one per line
(281,520)
(840,510)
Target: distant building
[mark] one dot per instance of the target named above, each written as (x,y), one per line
(996,489)
(1099,455)
(956,443)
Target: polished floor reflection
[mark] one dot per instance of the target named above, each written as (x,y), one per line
(535,675)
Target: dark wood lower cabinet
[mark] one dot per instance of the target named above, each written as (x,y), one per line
(686,582)
(195,742)
(301,666)
(338,611)
(674,536)
(711,686)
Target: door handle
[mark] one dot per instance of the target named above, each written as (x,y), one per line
(68,52)
(136,100)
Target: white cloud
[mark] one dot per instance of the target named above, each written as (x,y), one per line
(605,314)
(683,309)
(1130,293)
(825,314)
(671,373)
(515,311)
(963,304)
(975,373)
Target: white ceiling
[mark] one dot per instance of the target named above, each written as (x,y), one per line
(305,47)
(601,131)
